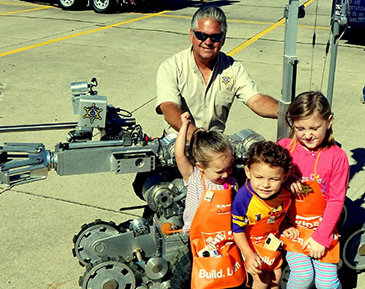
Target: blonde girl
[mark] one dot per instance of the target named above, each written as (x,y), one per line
(322,171)
(207,216)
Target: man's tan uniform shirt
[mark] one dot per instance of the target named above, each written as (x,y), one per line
(180,81)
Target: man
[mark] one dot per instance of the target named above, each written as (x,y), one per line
(205,81)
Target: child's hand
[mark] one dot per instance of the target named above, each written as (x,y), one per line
(185,118)
(253,263)
(296,187)
(292,233)
(316,250)
(295,184)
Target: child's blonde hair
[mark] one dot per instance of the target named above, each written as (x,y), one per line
(204,142)
(304,105)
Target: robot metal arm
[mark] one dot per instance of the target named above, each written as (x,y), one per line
(26,162)
(122,148)
(23,163)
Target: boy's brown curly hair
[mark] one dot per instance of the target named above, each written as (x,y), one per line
(270,153)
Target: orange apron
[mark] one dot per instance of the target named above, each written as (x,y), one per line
(308,211)
(211,228)
(257,233)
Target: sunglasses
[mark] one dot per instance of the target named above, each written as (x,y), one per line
(203,36)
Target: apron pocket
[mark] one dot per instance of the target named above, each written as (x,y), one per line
(271,260)
(218,272)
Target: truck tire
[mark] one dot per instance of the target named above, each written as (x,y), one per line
(72,4)
(104,6)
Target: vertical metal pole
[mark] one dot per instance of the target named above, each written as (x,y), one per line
(290,65)
(338,19)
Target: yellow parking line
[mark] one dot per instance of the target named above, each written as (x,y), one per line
(78,34)
(231,53)
(18,4)
(254,38)
(262,33)
(27,10)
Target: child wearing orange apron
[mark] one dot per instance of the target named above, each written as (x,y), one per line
(258,211)
(211,232)
(322,170)
(307,213)
(217,261)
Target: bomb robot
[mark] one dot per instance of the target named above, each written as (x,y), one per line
(149,252)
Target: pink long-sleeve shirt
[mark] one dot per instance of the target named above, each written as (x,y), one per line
(333,170)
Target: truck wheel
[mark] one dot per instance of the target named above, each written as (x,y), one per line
(72,4)
(181,269)
(103,6)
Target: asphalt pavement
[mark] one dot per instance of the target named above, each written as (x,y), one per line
(43,49)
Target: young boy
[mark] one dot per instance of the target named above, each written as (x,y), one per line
(258,211)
